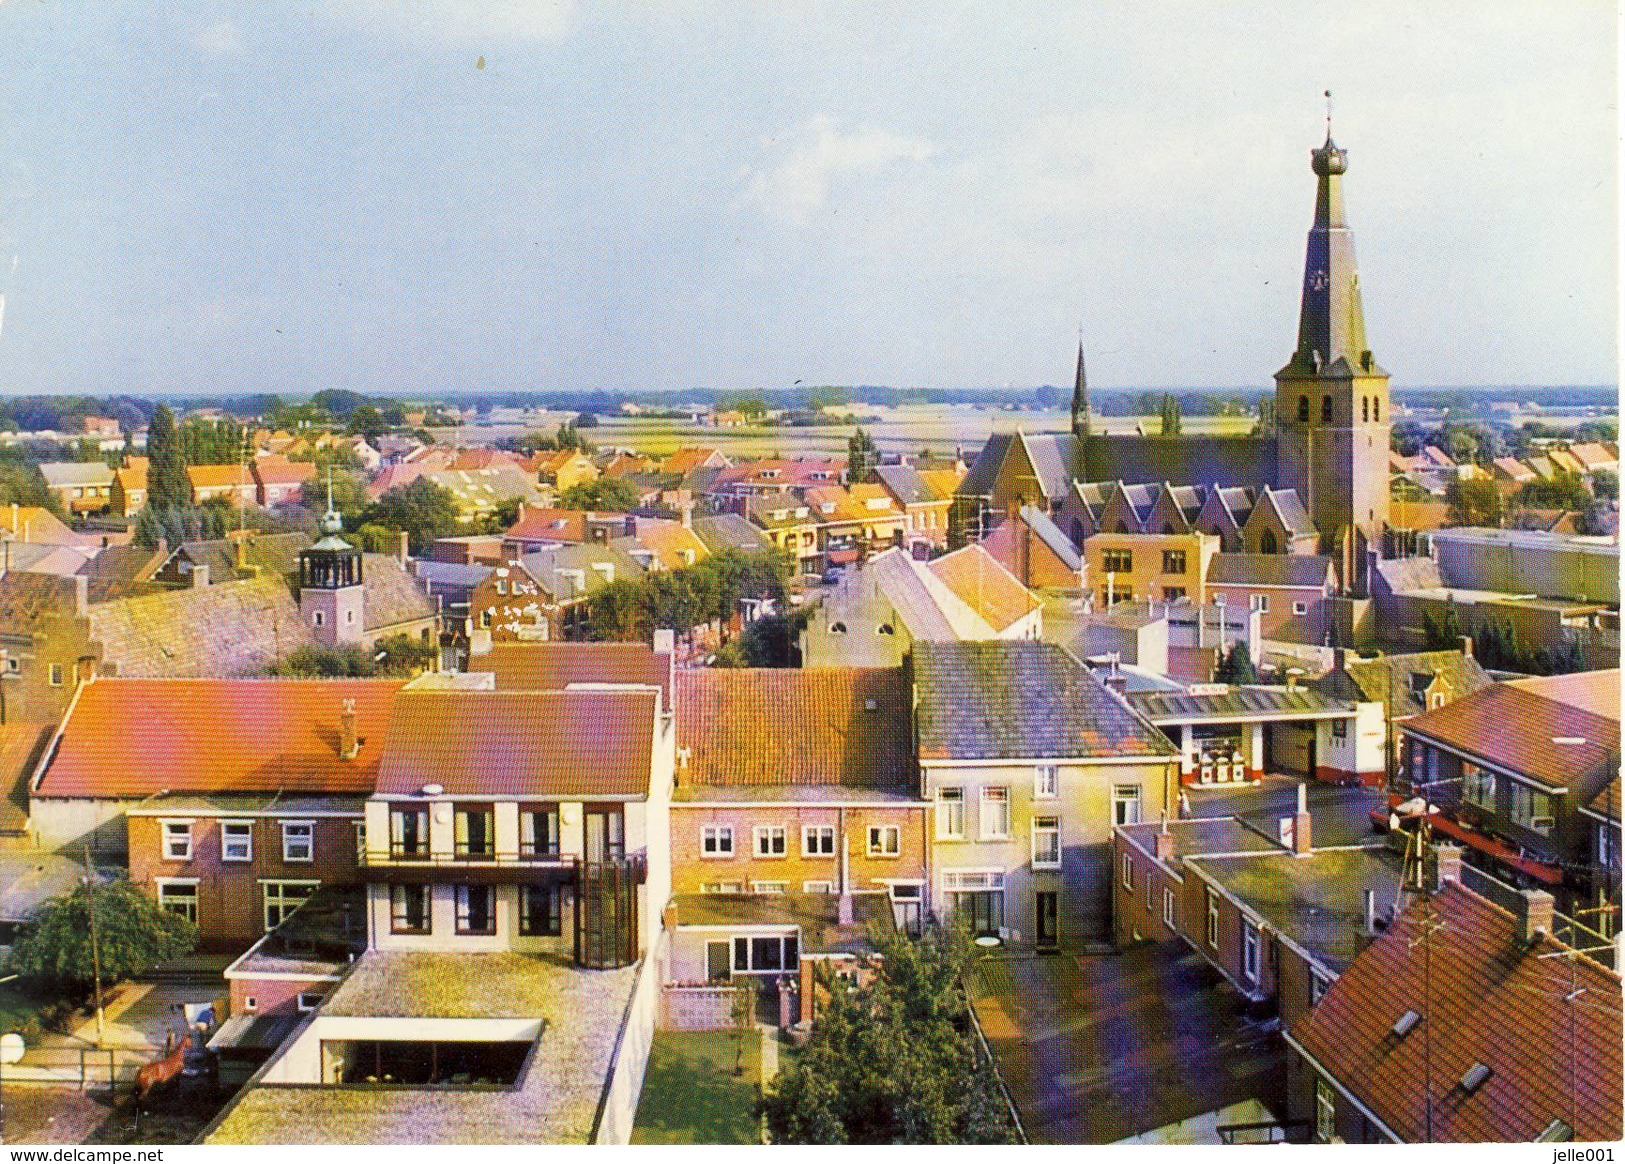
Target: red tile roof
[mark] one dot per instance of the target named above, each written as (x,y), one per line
(554,525)
(135,737)
(519,744)
(20,747)
(830,726)
(275,470)
(1516,730)
(1547,1027)
(554,666)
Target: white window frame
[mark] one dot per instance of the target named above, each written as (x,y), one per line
(720,887)
(250,1003)
(1168,908)
(1252,951)
(1127,794)
(1300,607)
(1046,782)
(55,674)
(1259,602)
(1325,1111)
(280,903)
(316,618)
(773,888)
(818,887)
(768,833)
(994,794)
(305,1007)
(1127,871)
(714,835)
(171,853)
(950,807)
(1212,920)
(1053,830)
(226,842)
(890,837)
(163,884)
(810,833)
(310,854)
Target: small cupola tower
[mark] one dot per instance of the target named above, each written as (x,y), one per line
(330,590)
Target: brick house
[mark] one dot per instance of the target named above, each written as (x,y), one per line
(1033,548)
(279,481)
(232,484)
(1029,760)
(1291,592)
(232,799)
(1463,1023)
(789,828)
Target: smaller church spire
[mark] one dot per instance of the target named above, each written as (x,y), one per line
(1080,395)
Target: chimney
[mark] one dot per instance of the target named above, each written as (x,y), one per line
(1446,865)
(405,547)
(1339,655)
(200,577)
(349,742)
(1165,842)
(1534,913)
(81,595)
(1302,830)
(1371,911)
(1467,646)
(665,641)
(240,546)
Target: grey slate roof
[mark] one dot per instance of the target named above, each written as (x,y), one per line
(1290,506)
(1406,574)
(1306,570)
(62,474)
(545,567)
(1234,702)
(1020,699)
(391,595)
(1400,676)
(984,470)
(1054,455)
(730,531)
(905,483)
(1050,534)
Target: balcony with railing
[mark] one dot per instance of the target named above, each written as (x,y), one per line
(486,863)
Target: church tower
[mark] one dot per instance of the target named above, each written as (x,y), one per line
(1332,412)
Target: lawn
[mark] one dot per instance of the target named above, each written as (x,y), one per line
(16,1006)
(691,1094)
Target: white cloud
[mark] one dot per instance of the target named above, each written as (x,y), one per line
(219,40)
(800,183)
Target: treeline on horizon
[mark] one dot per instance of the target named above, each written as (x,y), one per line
(34,413)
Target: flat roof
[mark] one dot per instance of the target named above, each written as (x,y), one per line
(792,794)
(1317,901)
(1202,835)
(1222,702)
(817,915)
(555,1101)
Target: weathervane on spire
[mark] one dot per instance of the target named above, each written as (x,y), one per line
(1328,115)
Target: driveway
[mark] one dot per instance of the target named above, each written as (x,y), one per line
(1339,815)
(1098,1048)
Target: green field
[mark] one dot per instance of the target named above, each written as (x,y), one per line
(691,1094)
(939,428)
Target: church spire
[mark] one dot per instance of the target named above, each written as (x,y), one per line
(1331,320)
(1080,397)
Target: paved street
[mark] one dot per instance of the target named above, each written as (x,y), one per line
(1098,1048)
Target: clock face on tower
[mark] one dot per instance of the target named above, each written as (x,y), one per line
(1318,280)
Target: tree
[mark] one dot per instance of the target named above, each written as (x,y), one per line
(423,510)
(368,421)
(1565,491)
(168,486)
(1237,666)
(743,1017)
(861,457)
(1473,502)
(132,935)
(1605,484)
(891,1058)
(607,494)
(1171,420)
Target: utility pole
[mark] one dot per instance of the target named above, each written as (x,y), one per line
(95,948)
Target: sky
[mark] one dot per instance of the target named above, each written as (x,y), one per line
(411,196)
